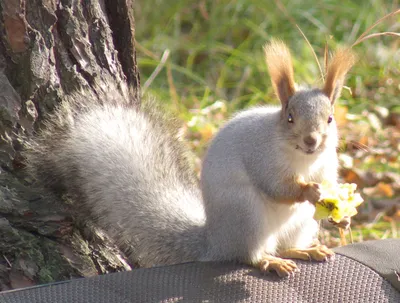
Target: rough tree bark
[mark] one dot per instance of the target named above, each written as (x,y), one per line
(52,50)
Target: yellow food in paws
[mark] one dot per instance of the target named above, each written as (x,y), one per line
(337,201)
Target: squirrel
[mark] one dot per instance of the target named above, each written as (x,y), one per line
(263,170)
(259,179)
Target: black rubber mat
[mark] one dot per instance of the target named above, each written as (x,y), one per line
(339,280)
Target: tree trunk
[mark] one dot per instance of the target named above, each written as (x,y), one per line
(50,51)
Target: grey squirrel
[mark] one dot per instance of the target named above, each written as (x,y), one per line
(258,183)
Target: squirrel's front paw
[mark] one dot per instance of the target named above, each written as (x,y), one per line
(312,192)
(283,267)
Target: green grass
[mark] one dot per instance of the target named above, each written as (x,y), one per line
(215,54)
(217,51)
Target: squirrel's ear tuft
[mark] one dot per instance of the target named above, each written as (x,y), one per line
(339,65)
(280,68)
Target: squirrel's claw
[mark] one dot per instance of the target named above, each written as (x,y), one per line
(311,192)
(316,252)
(282,267)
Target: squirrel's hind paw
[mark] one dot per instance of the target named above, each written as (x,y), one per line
(316,252)
(282,267)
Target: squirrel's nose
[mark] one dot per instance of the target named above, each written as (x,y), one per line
(310,141)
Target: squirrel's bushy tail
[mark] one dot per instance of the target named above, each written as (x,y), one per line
(129,170)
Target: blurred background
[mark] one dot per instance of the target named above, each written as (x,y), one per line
(203,60)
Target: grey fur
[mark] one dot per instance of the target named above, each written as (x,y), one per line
(251,163)
(127,169)
(264,167)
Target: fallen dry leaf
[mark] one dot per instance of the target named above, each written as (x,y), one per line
(385,189)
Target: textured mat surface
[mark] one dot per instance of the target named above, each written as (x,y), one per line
(341,280)
(383,256)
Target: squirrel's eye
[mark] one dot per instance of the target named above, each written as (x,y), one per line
(290,118)
(330,119)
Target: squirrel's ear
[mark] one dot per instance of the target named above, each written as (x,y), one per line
(280,68)
(337,69)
